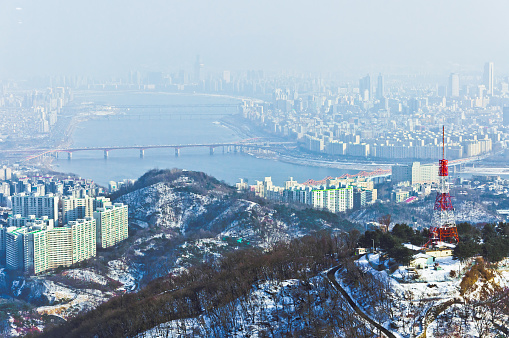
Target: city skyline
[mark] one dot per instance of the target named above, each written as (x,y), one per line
(94,37)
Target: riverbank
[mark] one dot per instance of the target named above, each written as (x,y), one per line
(234,123)
(323,163)
(83,131)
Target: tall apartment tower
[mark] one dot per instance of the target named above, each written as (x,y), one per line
(454,85)
(101,202)
(112,224)
(76,208)
(14,248)
(333,199)
(488,77)
(506,116)
(36,248)
(71,243)
(365,88)
(36,205)
(198,65)
(380,91)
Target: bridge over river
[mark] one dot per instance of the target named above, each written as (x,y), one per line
(240,146)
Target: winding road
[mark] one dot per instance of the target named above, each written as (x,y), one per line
(331,277)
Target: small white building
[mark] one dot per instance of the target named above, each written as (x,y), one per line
(421,261)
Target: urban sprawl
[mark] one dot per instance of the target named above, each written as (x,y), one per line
(55,223)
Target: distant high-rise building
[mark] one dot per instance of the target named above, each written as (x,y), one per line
(480,100)
(488,77)
(506,116)
(197,69)
(365,88)
(226,76)
(454,85)
(380,88)
(37,205)
(415,173)
(442,91)
(76,208)
(333,199)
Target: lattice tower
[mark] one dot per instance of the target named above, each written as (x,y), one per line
(443,225)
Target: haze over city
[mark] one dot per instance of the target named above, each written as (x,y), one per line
(95,37)
(254,168)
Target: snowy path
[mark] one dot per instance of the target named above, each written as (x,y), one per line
(331,277)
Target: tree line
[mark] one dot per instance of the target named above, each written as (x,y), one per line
(209,288)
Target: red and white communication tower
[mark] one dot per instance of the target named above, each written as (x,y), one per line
(443,226)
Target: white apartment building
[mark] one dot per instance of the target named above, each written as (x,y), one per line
(36,248)
(333,199)
(18,221)
(415,173)
(112,224)
(101,202)
(71,243)
(37,205)
(76,208)
(14,248)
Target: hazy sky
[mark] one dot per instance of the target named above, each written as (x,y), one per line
(45,37)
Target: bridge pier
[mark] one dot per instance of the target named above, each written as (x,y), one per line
(177,152)
(69,156)
(142,153)
(223,149)
(235,149)
(105,154)
(211,150)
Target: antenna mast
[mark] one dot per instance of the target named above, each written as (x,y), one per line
(443,142)
(443,225)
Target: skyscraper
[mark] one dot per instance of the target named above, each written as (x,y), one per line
(197,69)
(365,88)
(506,116)
(454,85)
(380,88)
(488,77)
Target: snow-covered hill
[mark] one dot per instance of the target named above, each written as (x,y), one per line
(173,224)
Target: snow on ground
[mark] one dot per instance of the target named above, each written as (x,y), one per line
(68,302)
(412,297)
(86,275)
(472,212)
(86,300)
(140,223)
(269,302)
(56,292)
(199,248)
(120,271)
(412,247)
(427,283)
